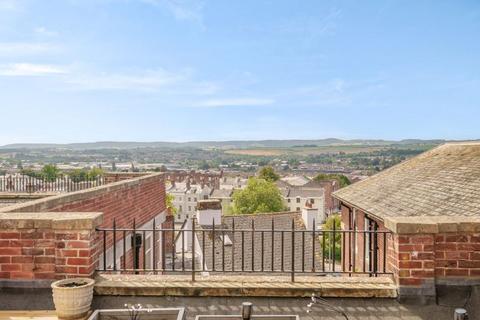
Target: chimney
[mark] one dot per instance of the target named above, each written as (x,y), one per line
(209,211)
(309,215)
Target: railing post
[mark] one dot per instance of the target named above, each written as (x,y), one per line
(293,251)
(134,247)
(193,249)
(154,256)
(333,246)
(114,245)
(313,246)
(213,244)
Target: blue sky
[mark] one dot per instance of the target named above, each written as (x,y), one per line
(178,70)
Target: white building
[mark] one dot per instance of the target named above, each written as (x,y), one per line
(186,197)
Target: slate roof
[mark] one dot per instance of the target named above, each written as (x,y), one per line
(221,193)
(282,221)
(303,192)
(443,181)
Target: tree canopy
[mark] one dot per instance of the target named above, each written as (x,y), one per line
(169,202)
(342,179)
(259,195)
(328,226)
(267,173)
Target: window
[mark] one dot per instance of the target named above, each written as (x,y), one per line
(288,200)
(205,197)
(180,209)
(298,200)
(195,199)
(312,201)
(298,208)
(189,208)
(189,199)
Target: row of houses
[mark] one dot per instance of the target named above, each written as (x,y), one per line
(297,191)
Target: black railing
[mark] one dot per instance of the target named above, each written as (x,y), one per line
(226,250)
(28,184)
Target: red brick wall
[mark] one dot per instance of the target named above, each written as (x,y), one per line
(47,254)
(441,256)
(141,199)
(142,202)
(418,261)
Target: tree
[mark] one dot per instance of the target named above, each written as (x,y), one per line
(327,245)
(169,202)
(78,175)
(50,172)
(204,165)
(31,173)
(342,179)
(162,168)
(259,195)
(267,173)
(94,173)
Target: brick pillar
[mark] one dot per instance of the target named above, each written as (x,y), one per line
(47,246)
(413,264)
(430,251)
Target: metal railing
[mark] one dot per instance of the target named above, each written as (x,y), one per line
(226,250)
(28,184)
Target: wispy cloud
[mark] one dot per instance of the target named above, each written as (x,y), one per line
(232,102)
(29,69)
(152,81)
(9,5)
(26,48)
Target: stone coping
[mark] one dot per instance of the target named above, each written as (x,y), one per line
(25,195)
(433,224)
(245,286)
(46,204)
(51,220)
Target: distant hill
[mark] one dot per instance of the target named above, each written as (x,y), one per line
(215,144)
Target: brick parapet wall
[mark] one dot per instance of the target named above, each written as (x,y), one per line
(428,251)
(141,198)
(44,246)
(423,252)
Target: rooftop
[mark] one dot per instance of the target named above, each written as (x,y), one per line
(435,183)
(254,244)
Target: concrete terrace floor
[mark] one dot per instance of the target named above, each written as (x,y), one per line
(356,309)
(361,308)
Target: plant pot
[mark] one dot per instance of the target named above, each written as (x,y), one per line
(72,297)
